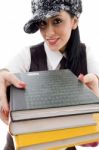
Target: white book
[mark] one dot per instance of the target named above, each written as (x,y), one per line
(55,123)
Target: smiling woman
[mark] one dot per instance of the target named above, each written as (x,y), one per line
(54,31)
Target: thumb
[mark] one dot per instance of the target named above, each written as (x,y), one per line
(81,77)
(91,81)
(12,79)
(88,79)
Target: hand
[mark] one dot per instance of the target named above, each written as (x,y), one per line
(91,81)
(6,79)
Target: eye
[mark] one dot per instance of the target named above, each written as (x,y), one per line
(42,24)
(57,21)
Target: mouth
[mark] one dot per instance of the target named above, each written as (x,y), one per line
(52,41)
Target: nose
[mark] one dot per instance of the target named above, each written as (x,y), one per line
(50,31)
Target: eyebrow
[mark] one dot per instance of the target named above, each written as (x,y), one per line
(53,17)
(56,16)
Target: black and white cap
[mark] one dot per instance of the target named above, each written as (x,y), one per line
(42,9)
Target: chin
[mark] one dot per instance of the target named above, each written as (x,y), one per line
(54,48)
(57,47)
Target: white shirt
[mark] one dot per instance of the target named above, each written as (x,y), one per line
(21,63)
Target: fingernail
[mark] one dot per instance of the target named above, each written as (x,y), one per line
(81,76)
(22,85)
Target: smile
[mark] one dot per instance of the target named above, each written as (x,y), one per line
(52,41)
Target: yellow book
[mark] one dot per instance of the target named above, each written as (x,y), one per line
(62,144)
(23,140)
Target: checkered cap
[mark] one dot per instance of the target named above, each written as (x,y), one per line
(42,9)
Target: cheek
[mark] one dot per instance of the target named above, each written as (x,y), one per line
(65,34)
(43,34)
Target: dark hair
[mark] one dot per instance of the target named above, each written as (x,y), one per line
(76,54)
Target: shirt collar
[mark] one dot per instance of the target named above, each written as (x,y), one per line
(54,57)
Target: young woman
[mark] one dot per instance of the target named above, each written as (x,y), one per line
(58,24)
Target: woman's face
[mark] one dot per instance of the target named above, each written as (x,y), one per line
(56,30)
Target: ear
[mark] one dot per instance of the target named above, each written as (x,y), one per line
(75,23)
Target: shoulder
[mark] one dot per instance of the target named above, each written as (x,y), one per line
(37,47)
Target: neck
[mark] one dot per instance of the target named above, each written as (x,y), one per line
(62,50)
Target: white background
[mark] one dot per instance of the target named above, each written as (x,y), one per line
(15,13)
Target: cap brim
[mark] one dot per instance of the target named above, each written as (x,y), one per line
(31,26)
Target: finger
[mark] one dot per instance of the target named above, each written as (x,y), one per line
(90,78)
(4,117)
(81,77)
(92,82)
(15,81)
(3,98)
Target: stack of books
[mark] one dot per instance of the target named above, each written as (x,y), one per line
(54,111)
